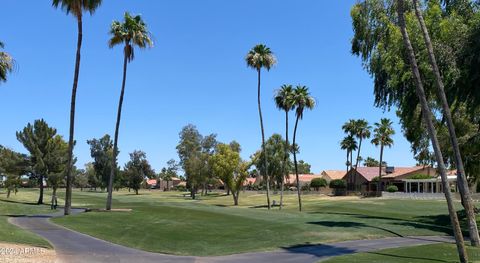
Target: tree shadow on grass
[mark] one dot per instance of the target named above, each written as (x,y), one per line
(437,223)
(319,251)
(19,202)
(345,224)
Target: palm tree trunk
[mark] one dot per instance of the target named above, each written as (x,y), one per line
(461,177)
(379,183)
(346,163)
(68,193)
(356,165)
(285,159)
(351,167)
(115,142)
(267,179)
(427,115)
(296,166)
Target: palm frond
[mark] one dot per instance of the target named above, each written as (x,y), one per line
(76,7)
(132,31)
(260,56)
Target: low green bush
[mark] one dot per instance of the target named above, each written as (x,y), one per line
(180,188)
(338,184)
(392,188)
(317,183)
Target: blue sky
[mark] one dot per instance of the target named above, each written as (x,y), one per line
(196,74)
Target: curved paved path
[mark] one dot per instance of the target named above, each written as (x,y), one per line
(72,246)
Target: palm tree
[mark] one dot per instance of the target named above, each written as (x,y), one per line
(6,64)
(260,56)
(76,8)
(284,101)
(461,178)
(302,100)
(361,131)
(382,136)
(350,128)
(131,32)
(350,145)
(427,116)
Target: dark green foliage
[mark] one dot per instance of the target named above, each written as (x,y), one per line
(275,149)
(101,150)
(47,153)
(420,176)
(392,188)
(12,165)
(137,169)
(316,183)
(338,184)
(303,167)
(194,151)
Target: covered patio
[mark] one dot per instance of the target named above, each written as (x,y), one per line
(431,185)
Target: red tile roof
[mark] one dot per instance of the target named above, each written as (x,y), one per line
(249,181)
(302,177)
(334,174)
(371,172)
(152,181)
(399,171)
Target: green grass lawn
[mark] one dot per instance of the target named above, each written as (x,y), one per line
(170,223)
(167,222)
(418,254)
(19,205)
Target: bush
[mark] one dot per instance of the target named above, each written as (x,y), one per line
(317,183)
(392,188)
(180,188)
(305,187)
(420,176)
(338,184)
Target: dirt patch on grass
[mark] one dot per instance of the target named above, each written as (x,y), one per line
(16,253)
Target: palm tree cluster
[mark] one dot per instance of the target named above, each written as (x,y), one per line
(131,32)
(355,130)
(287,98)
(360,130)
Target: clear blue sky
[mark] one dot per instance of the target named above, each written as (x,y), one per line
(196,74)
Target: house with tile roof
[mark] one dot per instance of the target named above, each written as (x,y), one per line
(304,179)
(365,178)
(330,175)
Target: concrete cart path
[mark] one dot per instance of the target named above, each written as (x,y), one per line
(72,246)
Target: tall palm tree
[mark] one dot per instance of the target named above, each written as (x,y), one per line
(427,116)
(461,178)
(350,128)
(284,101)
(302,100)
(362,131)
(382,136)
(76,8)
(6,64)
(130,33)
(260,56)
(350,145)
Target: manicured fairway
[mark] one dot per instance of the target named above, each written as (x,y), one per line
(170,223)
(17,206)
(173,224)
(418,254)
